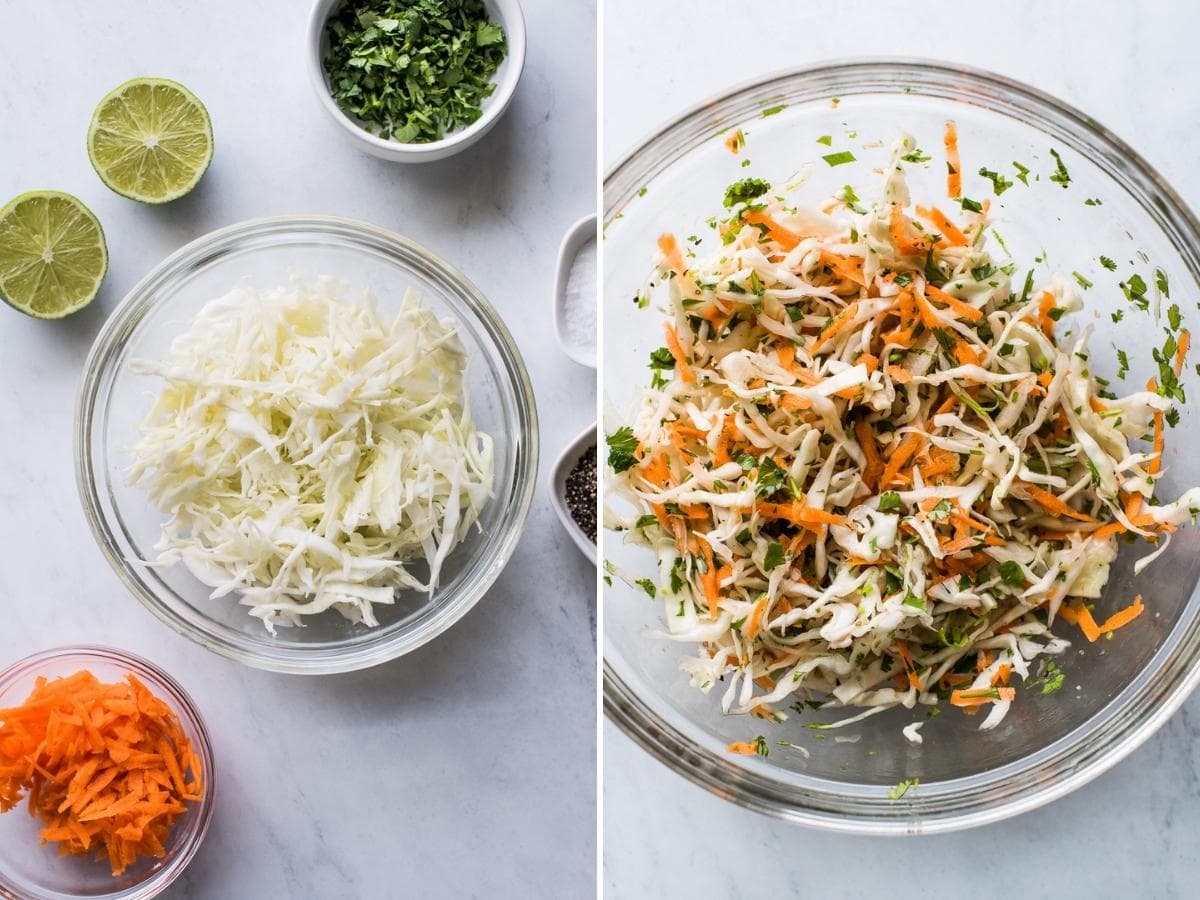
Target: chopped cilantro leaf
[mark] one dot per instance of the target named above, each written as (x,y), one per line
(1022,173)
(774,556)
(1061,175)
(840,158)
(826,139)
(889,501)
(621,447)
(648,586)
(745,190)
(1000,184)
(773,110)
(1108,264)
(1012,574)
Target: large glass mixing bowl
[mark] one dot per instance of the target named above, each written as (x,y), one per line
(1118,691)
(113,400)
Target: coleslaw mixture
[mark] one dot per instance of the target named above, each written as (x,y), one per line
(870,473)
(309,453)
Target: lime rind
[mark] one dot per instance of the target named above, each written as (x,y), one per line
(150,140)
(53,255)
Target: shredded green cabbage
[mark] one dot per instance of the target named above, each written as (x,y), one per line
(311,455)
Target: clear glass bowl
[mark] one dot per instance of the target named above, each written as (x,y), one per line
(1117,692)
(267,253)
(30,871)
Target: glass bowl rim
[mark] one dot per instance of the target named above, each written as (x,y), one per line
(1121,725)
(182,705)
(355,235)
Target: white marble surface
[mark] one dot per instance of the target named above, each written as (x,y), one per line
(1129,834)
(467,768)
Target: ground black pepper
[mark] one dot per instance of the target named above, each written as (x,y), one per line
(580,492)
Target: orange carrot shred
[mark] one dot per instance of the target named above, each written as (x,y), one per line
(953,164)
(107,767)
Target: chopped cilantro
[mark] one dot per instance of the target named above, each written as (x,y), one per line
(1083,282)
(1061,175)
(1123,359)
(1012,574)
(1022,173)
(972,205)
(889,501)
(409,71)
(621,447)
(826,139)
(840,158)
(916,156)
(1174,317)
(770,477)
(774,556)
(745,190)
(1000,184)
(1108,264)
(773,110)
(1160,282)
(984,272)
(648,586)
(1092,201)
(899,790)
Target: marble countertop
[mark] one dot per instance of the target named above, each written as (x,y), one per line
(1130,832)
(466,769)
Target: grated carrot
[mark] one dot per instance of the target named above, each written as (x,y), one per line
(107,767)
(953,164)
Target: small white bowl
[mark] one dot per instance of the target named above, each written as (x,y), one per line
(575,239)
(506,13)
(556,484)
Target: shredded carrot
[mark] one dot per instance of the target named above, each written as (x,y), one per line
(107,767)
(953,164)
(1154,466)
(1087,624)
(672,255)
(742,747)
(898,227)
(1052,504)
(784,237)
(980,696)
(673,345)
(710,580)
(1044,318)
(870,449)
(841,322)
(914,680)
(901,455)
(1125,616)
(899,375)
(960,308)
(1184,343)
(952,235)
(755,620)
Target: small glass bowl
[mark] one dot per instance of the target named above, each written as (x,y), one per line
(33,872)
(267,253)
(1116,692)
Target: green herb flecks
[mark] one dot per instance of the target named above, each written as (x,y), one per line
(899,790)
(745,190)
(413,70)
(1061,175)
(621,447)
(1000,184)
(839,159)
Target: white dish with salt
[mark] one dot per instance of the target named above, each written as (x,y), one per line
(575,292)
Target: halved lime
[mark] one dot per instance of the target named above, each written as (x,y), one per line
(52,254)
(150,140)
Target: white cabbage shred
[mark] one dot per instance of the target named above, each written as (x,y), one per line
(310,454)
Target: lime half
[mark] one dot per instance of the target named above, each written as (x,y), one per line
(151,140)
(52,254)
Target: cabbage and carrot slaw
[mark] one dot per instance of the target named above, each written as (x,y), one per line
(871,475)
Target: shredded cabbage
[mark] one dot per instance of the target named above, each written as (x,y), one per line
(310,454)
(870,473)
